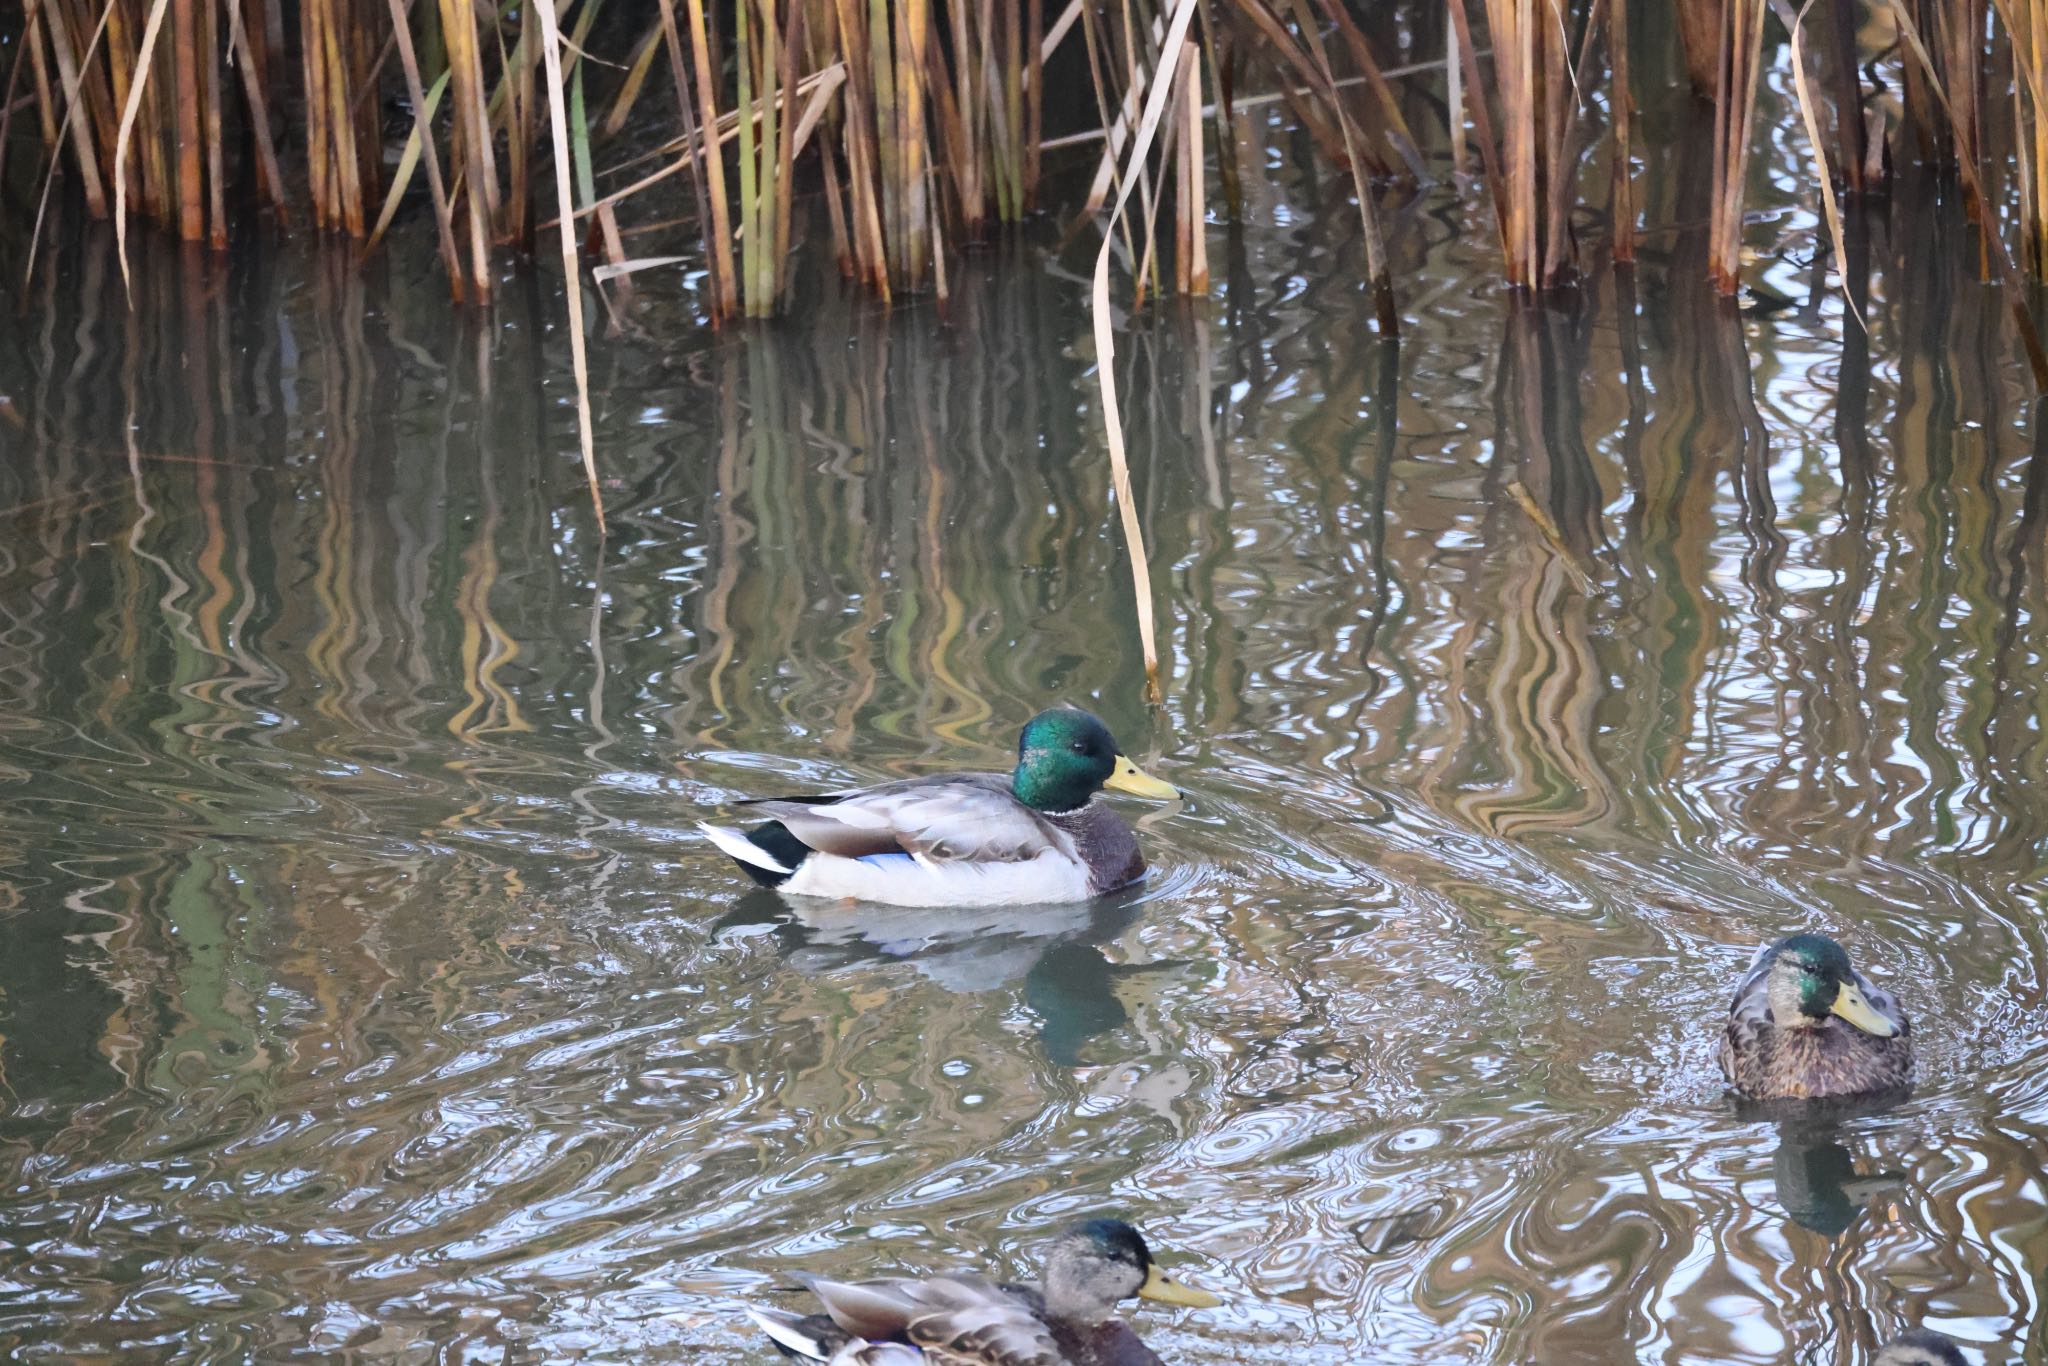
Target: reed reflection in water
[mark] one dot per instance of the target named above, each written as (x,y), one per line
(366,995)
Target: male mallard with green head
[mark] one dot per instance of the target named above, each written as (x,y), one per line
(1035,834)
(1806,1025)
(1068,1319)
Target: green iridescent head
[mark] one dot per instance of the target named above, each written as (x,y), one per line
(1065,756)
(1811,980)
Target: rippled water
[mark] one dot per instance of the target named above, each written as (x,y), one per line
(366,994)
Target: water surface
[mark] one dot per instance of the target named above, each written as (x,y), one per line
(366,995)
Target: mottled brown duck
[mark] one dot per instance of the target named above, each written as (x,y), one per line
(1068,1319)
(1805,1025)
(1921,1347)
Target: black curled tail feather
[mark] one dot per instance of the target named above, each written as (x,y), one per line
(773,839)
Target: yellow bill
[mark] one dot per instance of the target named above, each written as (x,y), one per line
(1136,781)
(1852,1006)
(1158,1285)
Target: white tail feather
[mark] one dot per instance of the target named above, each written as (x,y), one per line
(787,1329)
(742,848)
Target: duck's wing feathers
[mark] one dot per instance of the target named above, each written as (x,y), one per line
(974,1322)
(1750,1007)
(1749,1015)
(957,1320)
(965,817)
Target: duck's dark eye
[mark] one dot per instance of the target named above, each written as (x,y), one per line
(1080,746)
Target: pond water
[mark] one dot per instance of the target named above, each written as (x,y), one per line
(367,994)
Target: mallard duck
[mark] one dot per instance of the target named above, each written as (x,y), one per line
(1805,1025)
(1921,1347)
(1035,834)
(966,1320)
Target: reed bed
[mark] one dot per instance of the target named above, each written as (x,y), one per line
(917,127)
(912,129)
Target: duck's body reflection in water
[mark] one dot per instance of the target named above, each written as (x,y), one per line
(1817,1182)
(1053,950)
(1813,1172)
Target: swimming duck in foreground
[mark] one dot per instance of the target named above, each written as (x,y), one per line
(1805,1025)
(1921,1347)
(966,1320)
(962,839)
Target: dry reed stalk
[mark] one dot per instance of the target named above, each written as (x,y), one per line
(1514,25)
(1851,140)
(250,67)
(2027,23)
(1987,223)
(1191,247)
(154,150)
(1105,342)
(1621,99)
(151,27)
(1922,114)
(185,58)
(767,126)
(1809,115)
(337,60)
(471,163)
(1699,32)
(686,114)
(785,143)
(1222,101)
(514,104)
(210,87)
(863,152)
(1454,96)
(1741,61)
(1561,171)
(78,36)
(572,277)
(1304,100)
(32,40)
(1482,121)
(1393,126)
(960,117)
(725,299)
(753,252)
(423,105)
(894,92)
(1388,316)
(911,188)
(84,154)
(1959,31)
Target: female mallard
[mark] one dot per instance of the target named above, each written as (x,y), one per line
(966,1320)
(1921,1347)
(962,839)
(1804,1025)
